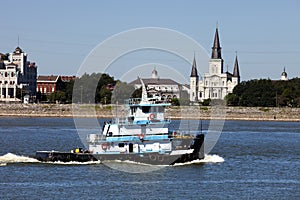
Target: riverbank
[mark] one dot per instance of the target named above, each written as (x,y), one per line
(184,112)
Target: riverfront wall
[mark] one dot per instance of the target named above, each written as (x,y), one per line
(194,112)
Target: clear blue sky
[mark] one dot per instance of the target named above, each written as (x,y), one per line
(58,35)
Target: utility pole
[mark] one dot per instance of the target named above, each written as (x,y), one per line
(81,94)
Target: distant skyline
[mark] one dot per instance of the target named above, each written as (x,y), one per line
(58,35)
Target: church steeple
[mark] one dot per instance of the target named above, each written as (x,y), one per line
(284,75)
(216,49)
(194,72)
(236,70)
(194,78)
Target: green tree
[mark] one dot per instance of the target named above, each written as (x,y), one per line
(175,102)
(266,93)
(232,100)
(122,92)
(137,93)
(206,102)
(58,96)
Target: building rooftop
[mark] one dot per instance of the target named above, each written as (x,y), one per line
(51,78)
(158,81)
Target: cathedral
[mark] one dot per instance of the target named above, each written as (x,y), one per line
(215,84)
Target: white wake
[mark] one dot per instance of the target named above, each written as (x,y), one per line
(207,159)
(74,163)
(12,158)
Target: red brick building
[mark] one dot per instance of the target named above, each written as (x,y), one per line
(48,84)
(67,78)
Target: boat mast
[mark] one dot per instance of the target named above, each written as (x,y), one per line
(144,93)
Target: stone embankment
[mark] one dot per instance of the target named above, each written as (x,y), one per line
(184,112)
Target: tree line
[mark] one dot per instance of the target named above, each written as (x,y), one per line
(104,89)
(90,88)
(266,93)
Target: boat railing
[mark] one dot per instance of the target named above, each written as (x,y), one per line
(126,121)
(182,133)
(95,138)
(136,101)
(133,101)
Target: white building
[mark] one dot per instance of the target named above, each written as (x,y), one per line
(215,84)
(16,72)
(161,87)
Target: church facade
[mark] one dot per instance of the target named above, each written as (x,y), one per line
(215,84)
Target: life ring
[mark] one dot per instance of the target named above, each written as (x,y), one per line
(104,146)
(151,116)
(160,158)
(152,157)
(141,136)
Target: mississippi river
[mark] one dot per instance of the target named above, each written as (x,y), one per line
(252,160)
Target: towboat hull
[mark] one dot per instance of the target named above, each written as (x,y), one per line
(195,151)
(54,156)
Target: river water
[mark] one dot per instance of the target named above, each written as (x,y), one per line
(252,160)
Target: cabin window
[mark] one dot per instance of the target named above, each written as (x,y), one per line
(130,147)
(146,109)
(121,144)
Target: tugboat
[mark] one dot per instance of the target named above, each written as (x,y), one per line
(142,137)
